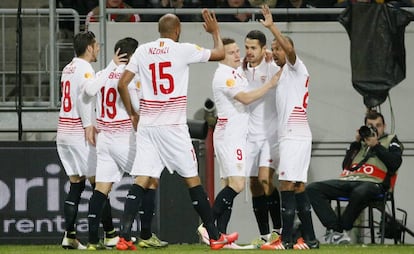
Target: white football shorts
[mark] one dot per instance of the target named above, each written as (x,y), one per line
(167,146)
(231,157)
(115,155)
(78,159)
(261,153)
(295,157)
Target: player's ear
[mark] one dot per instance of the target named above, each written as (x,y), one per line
(178,31)
(89,48)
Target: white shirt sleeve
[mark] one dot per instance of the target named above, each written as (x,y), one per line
(93,86)
(86,109)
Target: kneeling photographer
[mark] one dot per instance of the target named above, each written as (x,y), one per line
(369,169)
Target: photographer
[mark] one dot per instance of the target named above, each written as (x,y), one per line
(369,169)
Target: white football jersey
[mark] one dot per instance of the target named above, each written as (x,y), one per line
(232,114)
(74,76)
(111,115)
(292,101)
(263,117)
(163,68)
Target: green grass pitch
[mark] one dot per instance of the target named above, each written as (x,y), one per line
(198,248)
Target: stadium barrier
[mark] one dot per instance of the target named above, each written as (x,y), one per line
(33,186)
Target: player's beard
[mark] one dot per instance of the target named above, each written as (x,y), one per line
(253,61)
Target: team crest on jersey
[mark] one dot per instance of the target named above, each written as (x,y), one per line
(230,82)
(161,44)
(138,85)
(88,75)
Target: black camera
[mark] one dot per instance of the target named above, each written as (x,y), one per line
(367,131)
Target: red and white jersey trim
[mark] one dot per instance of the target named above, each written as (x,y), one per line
(121,126)
(70,125)
(221,124)
(70,131)
(172,111)
(297,116)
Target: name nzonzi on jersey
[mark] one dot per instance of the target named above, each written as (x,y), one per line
(158,51)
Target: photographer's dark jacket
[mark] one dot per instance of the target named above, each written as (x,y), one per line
(378,164)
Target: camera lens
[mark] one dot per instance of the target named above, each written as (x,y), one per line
(364,132)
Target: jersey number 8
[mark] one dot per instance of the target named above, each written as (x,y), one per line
(66,100)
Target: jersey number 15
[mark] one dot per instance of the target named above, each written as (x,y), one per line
(160,69)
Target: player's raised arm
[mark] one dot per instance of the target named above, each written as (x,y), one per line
(211,26)
(95,85)
(283,42)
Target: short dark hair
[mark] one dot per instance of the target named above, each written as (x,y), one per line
(257,35)
(227,41)
(81,41)
(372,115)
(127,45)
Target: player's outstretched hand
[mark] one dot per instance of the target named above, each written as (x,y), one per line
(210,22)
(268,21)
(120,58)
